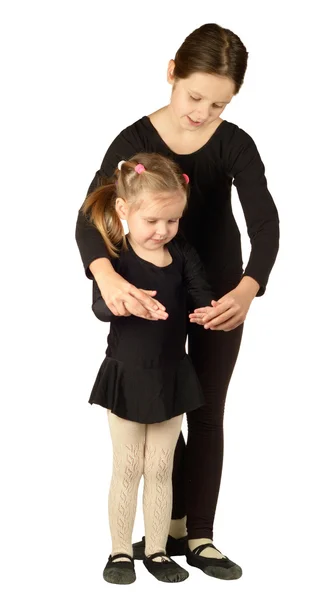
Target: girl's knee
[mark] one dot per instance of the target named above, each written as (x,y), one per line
(158,464)
(129,462)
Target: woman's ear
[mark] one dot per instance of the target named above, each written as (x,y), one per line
(121,208)
(170,73)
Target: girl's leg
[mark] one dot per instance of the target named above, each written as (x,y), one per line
(161,439)
(128,442)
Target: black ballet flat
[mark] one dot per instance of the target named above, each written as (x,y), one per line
(120,572)
(174,547)
(221,568)
(167,570)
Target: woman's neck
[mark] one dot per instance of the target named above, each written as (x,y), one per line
(179,140)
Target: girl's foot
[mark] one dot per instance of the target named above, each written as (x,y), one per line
(165,570)
(120,571)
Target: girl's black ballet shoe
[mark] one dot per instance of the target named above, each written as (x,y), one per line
(120,572)
(167,570)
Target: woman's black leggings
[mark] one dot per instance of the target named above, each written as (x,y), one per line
(198,464)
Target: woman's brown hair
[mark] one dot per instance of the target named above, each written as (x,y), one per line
(161,175)
(214,50)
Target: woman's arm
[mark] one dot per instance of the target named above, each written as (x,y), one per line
(89,240)
(121,297)
(243,163)
(103,313)
(230,311)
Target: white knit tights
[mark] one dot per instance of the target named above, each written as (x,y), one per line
(141,450)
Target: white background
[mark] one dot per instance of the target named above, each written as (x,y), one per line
(74,75)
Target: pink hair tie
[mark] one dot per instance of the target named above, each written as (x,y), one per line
(186,177)
(140,168)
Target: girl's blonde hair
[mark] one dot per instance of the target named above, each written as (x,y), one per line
(161,175)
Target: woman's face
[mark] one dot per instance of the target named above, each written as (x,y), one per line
(199,100)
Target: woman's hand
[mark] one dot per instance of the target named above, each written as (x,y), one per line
(229,311)
(124,299)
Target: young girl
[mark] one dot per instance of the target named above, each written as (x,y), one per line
(146,381)
(207,72)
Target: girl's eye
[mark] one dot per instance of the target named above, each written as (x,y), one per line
(217,106)
(196,99)
(173,220)
(148,221)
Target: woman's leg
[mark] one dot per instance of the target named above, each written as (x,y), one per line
(128,442)
(179,479)
(214,357)
(214,354)
(161,439)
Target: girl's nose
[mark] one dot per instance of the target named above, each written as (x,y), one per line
(161,230)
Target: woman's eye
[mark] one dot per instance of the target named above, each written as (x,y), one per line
(173,220)
(196,99)
(217,106)
(148,221)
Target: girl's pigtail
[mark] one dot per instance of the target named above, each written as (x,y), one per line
(99,208)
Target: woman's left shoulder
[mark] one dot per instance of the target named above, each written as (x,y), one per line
(237,149)
(234,135)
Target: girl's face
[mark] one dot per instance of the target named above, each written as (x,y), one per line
(199,100)
(155,221)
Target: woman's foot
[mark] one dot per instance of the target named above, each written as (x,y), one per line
(211,561)
(209,552)
(164,568)
(174,547)
(120,571)
(178,528)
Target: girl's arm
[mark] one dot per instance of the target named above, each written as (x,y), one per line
(99,308)
(199,290)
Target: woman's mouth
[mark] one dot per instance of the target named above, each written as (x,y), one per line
(194,123)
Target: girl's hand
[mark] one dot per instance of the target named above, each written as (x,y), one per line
(230,310)
(199,314)
(124,299)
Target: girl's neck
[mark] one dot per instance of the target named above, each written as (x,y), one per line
(160,257)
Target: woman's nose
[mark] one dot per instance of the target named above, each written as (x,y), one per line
(203,113)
